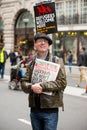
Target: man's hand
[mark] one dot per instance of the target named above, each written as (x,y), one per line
(36,88)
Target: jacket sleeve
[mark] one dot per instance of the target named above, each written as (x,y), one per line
(26,81)
(60,82)
(26,87)
(5,55)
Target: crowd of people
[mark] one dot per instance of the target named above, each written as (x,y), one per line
(15,56)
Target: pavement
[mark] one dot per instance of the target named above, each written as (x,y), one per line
(72,79)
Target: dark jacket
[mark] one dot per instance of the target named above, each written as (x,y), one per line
(70,58)
(86,59)
(13,58)
(81,59)
(56,87)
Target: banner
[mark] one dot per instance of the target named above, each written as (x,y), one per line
(45,18)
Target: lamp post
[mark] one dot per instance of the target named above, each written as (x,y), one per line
(25,22)
(78,44)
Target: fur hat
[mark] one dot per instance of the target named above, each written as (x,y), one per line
(44,36)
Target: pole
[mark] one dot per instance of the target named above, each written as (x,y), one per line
(25,30)
(78,35)
(25,22)
(64,49)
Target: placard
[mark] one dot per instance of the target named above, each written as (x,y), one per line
(45,18)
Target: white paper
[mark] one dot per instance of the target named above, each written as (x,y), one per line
(44,71)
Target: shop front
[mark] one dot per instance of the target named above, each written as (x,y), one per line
(69,41)
(24,32)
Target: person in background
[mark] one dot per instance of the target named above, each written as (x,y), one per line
(82,63)
(44,110)
(16,52)
(15,56)
(31,55)
(12,58)
(19,57)
(70,59)
(3,58)
(61,53)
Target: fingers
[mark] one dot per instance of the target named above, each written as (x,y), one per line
(36,88)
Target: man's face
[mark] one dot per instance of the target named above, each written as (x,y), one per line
(41,45)
(15,49)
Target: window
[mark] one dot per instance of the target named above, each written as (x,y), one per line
(60,12)
(71,12)
(67,12)
(20,22)
(83,6)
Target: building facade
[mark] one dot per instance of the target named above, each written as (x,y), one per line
(72,27)
(17,25)
(16,22)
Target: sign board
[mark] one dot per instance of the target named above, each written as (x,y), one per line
(45,18)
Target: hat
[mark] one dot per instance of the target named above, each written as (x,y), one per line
(43,35)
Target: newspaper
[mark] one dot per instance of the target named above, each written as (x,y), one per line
(44,71)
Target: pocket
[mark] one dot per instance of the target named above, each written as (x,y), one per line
(49,101)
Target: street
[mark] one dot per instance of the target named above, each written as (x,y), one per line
(13,106)
(14,110)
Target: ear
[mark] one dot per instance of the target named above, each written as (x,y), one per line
(35,46)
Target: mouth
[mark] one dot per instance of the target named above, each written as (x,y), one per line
(42,46)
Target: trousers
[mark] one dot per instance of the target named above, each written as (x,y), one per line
(2,68)
(44,121)
(83,75)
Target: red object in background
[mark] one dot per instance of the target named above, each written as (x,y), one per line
(42,9)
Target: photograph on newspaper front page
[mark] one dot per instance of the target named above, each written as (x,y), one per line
(44,71)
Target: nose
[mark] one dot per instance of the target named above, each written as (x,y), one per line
(43,41)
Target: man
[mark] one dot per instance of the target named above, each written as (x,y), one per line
(70,60)
(44,108)
(82,63)
(15,56)
(61,53)
(12,57)
(3,58)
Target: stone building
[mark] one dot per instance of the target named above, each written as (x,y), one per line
(17,24)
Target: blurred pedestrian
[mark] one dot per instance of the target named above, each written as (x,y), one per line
(19,57)
(44,107)
(82,62)
(3,58)
(70,59)
(12,58)
(31,55)
(61,53)
(15,56)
